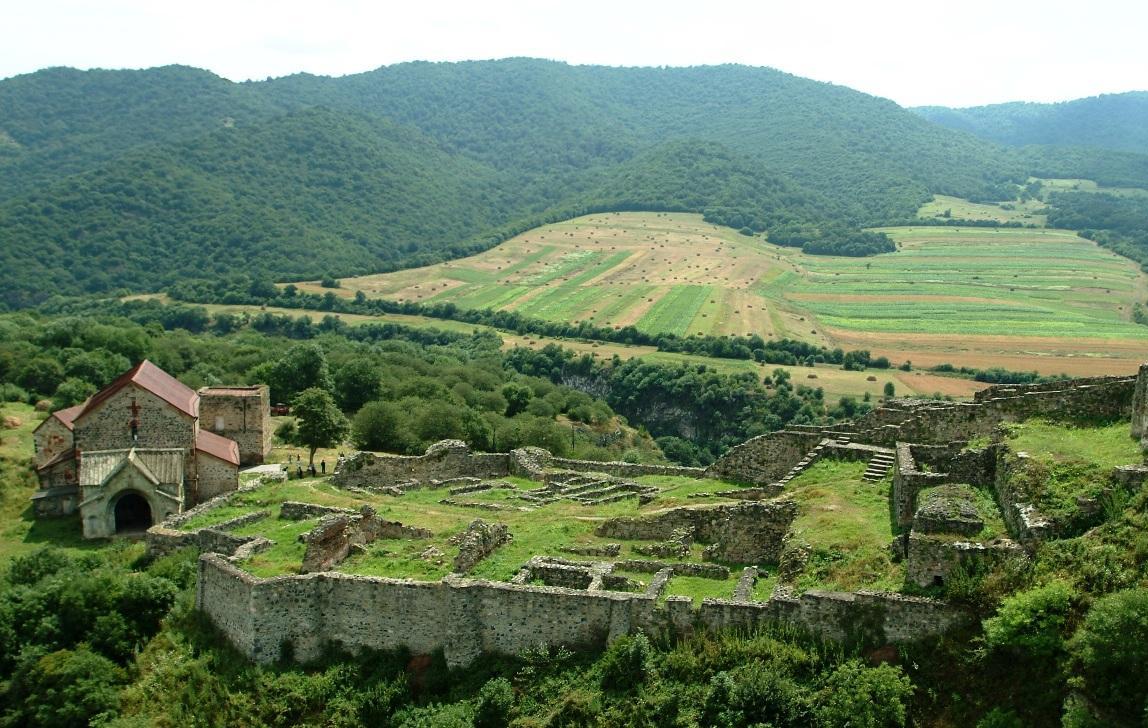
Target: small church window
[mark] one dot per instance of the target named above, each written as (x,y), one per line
(219,423)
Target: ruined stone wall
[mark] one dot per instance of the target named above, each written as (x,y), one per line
(1025,523)
(265,618)
(925,466)
(161,540)
(749,532)
(1140,404)
(765,458)
(242,414)
(215,477)
(160,424)
(443,460)
(625,470)
(865,618)
(50,439)
(933,559)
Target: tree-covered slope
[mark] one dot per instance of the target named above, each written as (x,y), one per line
(298,195)
(1112,121)
(135,179)
(61,121)
(532,115)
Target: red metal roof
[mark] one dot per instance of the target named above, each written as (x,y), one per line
(217,447)
(66,416)
(62,457)
(153,379)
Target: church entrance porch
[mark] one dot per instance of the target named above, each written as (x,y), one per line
(132,514)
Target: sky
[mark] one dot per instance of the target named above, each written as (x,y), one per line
(917,53)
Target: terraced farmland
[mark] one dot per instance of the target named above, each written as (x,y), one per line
(1016,298)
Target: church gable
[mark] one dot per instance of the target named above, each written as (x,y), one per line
(133,417)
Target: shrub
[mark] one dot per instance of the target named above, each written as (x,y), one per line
(1111,650)
(63,689)
(865,697)
(495,700)
(627,663)
(1032,622)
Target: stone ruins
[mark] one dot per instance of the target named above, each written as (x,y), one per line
(586,596)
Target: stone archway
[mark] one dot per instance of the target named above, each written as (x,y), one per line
(132,513)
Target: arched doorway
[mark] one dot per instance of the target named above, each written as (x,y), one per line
(133,514)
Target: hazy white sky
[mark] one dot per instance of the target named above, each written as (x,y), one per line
(953,53)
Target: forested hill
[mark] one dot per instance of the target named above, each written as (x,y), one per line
(1113,121)
(133,179)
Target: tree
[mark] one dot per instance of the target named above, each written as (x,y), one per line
(867,697)
(517,397)
(321,424)
(376,427)
(1111,650)
(357,382)
(302,367)
(890,390)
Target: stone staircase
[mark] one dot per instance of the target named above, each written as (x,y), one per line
(878,466)
(802,465)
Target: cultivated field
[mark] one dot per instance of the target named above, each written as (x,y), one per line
(944,207)
(1015,298)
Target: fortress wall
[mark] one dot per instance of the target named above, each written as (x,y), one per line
(748,532)
(300,615)
(626,470)
(224,593)
(389,469)
(765,458)
(1140,404)
(863,618)
(360,612)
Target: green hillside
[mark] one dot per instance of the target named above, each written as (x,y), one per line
(1112,121)
(134,179)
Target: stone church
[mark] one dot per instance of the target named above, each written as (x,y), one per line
(146,447)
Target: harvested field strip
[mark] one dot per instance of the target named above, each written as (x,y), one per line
(528,260)
(493,297)
(674,312)
(564,266)
(620,299)
(558,302)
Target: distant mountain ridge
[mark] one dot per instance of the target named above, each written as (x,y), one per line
(116,180)
(1118,122)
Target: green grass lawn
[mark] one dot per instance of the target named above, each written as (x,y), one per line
(1105,446)
(1068,463)
(846,522)
(698,588)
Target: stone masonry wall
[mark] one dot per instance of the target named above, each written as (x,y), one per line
(626,470)
(301,615)
(214,477)
(1140,405)
(160,424)
(245,416)
(932,558)
(443,460)
(50,439)
(749,532)
(765,458)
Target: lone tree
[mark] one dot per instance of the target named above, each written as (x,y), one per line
(321,424)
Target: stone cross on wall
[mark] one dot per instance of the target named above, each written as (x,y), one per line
(134,423)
